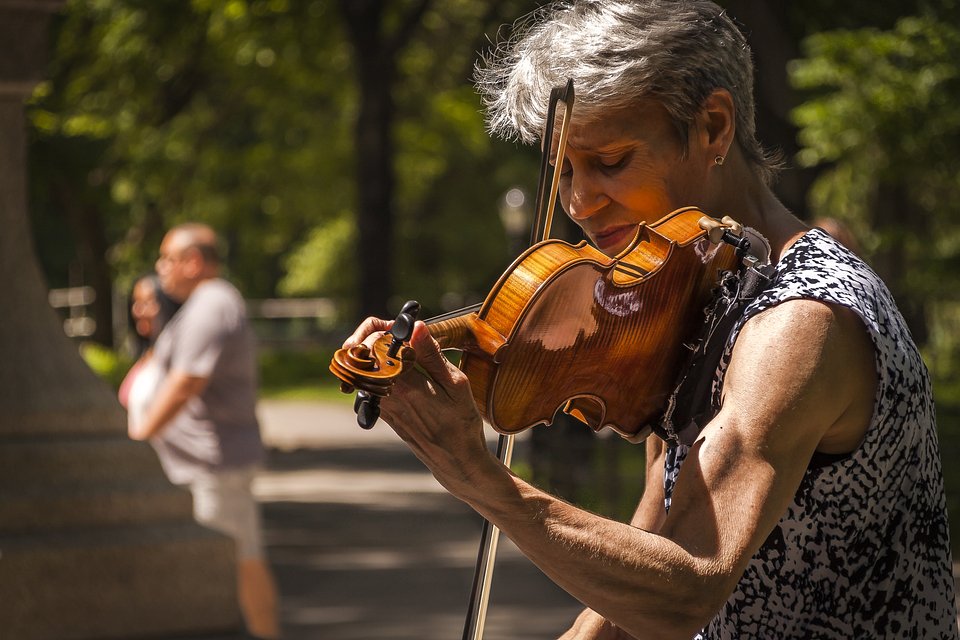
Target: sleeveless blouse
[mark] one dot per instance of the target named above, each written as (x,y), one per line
(863,549)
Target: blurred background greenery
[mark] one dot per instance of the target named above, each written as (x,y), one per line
(339,147)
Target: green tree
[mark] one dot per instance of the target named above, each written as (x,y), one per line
(775,31)
(164,111)
(249,115)
(882,122)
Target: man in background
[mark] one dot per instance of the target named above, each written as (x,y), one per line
(202,421)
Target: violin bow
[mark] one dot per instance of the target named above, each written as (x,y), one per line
(541,228)
(539,231)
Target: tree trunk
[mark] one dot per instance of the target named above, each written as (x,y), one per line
(95,542)
(42,380)
(375,70)
(375,181)
(375,55)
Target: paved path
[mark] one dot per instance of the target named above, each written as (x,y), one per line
(366,544)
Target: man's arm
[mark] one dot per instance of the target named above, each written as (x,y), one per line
(174,392)
(802,373)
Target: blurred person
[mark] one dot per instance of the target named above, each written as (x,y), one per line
(150,309)
(809,501)
(202,421)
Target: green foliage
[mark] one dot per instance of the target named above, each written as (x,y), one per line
(241,114)
(942,354)
(883,111)
(317,267)
(106,363)
(876,88)
(882,120)
(207,111)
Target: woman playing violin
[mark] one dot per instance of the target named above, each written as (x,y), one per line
(811,503)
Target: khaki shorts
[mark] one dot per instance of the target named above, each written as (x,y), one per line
(224,502)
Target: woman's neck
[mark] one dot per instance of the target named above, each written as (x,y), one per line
(752,203)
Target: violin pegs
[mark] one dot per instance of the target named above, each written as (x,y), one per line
(411,307)
(357,400)
(368,410)
(362,369)
(402,328)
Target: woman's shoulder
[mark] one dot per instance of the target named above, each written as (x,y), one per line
(818,267)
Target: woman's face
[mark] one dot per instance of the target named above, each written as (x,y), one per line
(145,309)
(627,169)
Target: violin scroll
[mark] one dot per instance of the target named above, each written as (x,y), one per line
(371,371)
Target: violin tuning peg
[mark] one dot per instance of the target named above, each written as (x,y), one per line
(402,328)
(368,410)
(411,307)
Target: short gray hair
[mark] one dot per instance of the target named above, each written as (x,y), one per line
(619,52)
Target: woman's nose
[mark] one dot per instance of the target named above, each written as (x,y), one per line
(586,197)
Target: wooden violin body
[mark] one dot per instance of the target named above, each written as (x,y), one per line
(567,327)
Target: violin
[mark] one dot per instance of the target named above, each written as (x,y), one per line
(569,328)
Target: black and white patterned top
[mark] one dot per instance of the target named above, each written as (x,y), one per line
(863,550)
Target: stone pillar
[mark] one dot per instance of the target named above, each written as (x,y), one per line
(94,542)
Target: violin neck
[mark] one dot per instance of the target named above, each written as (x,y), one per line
(453,333)
(466,333)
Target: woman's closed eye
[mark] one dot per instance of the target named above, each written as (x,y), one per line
(612,163)
(606,164)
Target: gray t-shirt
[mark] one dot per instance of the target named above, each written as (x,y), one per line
(218,429)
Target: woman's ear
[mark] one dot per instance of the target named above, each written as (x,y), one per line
(717,123)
